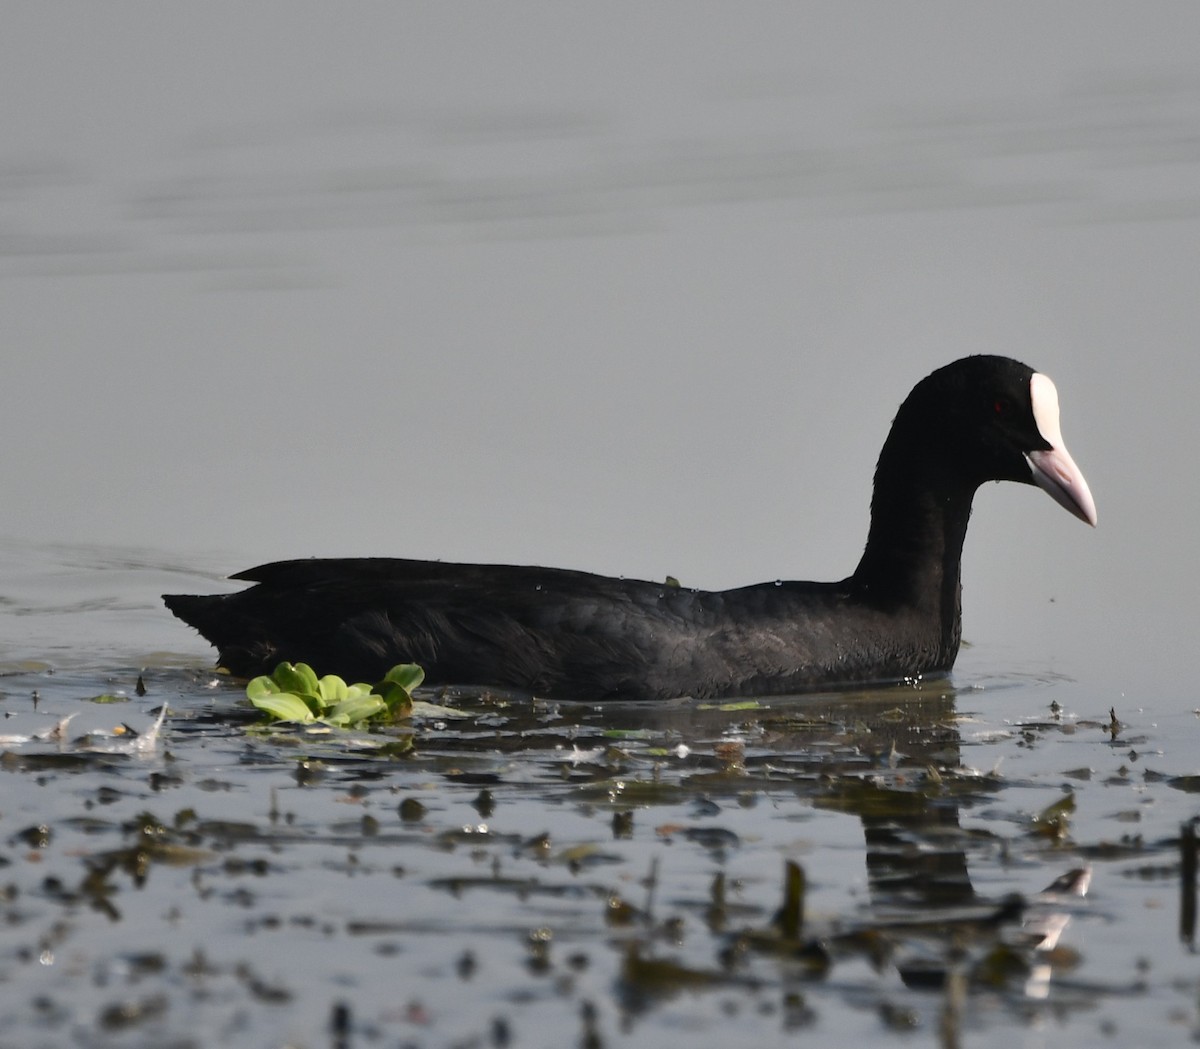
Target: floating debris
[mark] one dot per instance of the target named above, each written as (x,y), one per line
(56,734)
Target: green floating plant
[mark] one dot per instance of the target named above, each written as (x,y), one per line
(293,692)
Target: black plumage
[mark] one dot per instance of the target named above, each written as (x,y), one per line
(576,635)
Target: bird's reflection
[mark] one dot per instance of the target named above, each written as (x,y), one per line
(892,758)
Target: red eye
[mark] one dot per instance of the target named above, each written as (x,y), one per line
(999,407)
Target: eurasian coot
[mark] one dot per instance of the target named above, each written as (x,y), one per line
(574,635)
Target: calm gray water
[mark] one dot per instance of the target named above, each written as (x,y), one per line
(631,290)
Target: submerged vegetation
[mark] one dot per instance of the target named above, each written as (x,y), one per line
(609,871)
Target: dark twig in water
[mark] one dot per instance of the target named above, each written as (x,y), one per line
(1187,883)
(791,914)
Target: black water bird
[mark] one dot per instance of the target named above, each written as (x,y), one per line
(575,635)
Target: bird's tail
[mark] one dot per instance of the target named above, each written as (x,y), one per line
(239,648)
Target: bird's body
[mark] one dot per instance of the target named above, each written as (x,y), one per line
(575,635)
(554,632)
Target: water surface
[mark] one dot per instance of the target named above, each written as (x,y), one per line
(545,874)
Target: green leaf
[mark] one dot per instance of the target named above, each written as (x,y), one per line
(397,698)
(357,708)
(284,706)
(310,677)
(332,690)
(407,675)
(108,697)
(261,686)
(299,679)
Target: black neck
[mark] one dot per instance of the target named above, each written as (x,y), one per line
(912,561)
